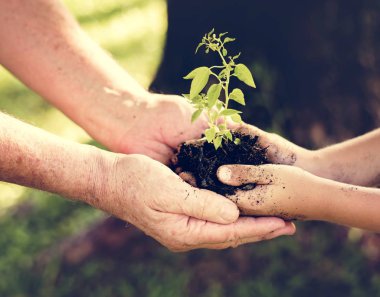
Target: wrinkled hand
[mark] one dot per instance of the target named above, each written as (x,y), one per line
(181,217)
(160,124)
(282,191)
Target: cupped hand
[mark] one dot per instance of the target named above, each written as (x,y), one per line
(149,195)
(280,150)
(282,191)
(160,123)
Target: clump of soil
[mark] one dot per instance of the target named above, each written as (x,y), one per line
(201,160)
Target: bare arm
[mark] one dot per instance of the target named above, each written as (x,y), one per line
(34,158)
(49,52)
(355,161)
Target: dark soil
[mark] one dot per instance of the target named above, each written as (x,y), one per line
(201,160)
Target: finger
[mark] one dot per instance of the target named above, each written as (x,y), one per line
(189,178)
(209,206)
(289,229)
(264,137)
(244,230)
(236,175)
(253,202)
(278,150)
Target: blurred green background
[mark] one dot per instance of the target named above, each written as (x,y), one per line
(316,65)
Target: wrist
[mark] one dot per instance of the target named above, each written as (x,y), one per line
(111,114)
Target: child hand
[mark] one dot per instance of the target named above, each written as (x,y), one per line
(283,191)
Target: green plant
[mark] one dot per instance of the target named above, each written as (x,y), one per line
(210,101)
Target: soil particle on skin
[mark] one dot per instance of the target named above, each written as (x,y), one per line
(201,160)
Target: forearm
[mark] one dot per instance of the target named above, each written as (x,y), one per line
(34,158)
(44,46)
(356,161)
(345,204)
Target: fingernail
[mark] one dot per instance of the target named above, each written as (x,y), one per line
(229,213)
(224,173)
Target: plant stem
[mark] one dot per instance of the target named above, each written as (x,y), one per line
(227,82)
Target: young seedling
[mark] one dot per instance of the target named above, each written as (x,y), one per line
(211,100)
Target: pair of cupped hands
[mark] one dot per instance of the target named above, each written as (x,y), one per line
(146,193)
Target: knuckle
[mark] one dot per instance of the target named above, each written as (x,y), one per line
(234,238)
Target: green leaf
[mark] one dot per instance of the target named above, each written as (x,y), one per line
(196,115)
(228,39)
(237,141)
(222,127)
(222,73)
(229,112)
(198,47)
(224,52)
(238,96)
(228,135)
(194,73)
(242,72)
(237,56)
(219,105)
(217,142)
(236,118)
(200,78)
(214,115)
(222,34)
(210,134)
(213,94)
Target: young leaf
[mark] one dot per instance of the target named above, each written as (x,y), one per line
(200,78)
(219,105)
(224,51)
(237,56)
(222,34)
(238,96)
(228,39)
(210,134)
(198,47)
(229,112)
(194,73)
(196,115)
(222,127)
(236,118)
(237,141)
(217,142)
(228,135)
(222,73)
(214,115)
(242,72)
(213,94)
(209,33)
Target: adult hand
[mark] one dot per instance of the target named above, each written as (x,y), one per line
(181,217)
(152,125)
(283,191)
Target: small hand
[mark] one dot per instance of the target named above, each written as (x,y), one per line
(181,217)
(279,150)
(282,191)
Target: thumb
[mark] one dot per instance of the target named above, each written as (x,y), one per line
(209,206)
(237,175)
